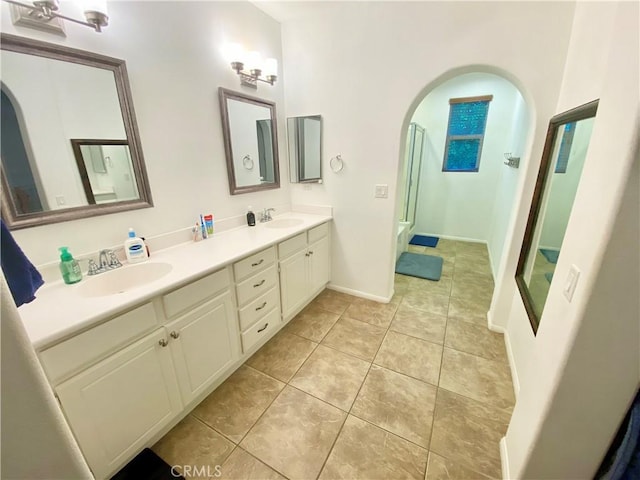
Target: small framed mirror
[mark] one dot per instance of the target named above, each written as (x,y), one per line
(305,148)
(53,97)
(560,169)
(250,134)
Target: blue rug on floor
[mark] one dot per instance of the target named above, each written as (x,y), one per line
(424,241)
(421,266)
(550,255)
(548,276)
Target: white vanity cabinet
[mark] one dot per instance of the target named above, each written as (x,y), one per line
(258,295)
(120,384)
(304,268)
(115,406)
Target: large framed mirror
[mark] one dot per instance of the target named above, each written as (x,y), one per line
(249,128)
(305,148)
(562,162)
(53,96)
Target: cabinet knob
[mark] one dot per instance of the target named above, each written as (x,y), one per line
(263,328)
(163,342)
(174,334)
(259,284)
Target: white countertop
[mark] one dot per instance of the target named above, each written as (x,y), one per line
(59,311)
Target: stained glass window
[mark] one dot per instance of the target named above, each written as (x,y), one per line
(465,133)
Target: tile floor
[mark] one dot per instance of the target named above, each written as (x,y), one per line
(354,389)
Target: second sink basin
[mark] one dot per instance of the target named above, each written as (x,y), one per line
(284,223)
(123,279)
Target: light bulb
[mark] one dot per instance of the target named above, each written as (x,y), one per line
(254,61)
(271,66)
(99,6)
(234,52)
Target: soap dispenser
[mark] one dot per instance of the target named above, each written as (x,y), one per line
(69,267)
(251,218)
(135,248)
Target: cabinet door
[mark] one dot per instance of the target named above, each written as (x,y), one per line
(318,265)
(294,284)
(117,405)
(203,343)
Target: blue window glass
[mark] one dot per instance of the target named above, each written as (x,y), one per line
(465,133)
(565,147)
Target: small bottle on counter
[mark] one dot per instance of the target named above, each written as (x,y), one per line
(134,248)
(251,218)
(69,267)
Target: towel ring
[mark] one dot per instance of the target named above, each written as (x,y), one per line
(336,163)
(247,162)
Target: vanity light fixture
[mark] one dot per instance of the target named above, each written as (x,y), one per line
(256,67)
(41,12)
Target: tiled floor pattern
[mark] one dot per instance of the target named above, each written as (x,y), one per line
(354,389)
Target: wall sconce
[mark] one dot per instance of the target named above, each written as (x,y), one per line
(40,13)
(256,67)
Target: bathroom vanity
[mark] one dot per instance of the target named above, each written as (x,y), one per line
(127,366)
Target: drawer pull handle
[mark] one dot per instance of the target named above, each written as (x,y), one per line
(174,334)
(263,328)
(311,252)
(258,263)
(306,254)
(261,306)
(259,284)
(163,342)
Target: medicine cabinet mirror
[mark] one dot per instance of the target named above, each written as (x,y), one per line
(305,148)
(561,167)
(53,98)
(250,140)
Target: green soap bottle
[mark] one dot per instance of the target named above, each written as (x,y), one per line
(69,267)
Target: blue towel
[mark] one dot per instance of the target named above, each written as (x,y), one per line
(22,277)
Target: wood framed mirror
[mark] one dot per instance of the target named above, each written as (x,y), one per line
(52,95)
(561,166)
(250,132)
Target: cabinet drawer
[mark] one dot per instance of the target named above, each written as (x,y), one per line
(292,245)
(261,330)
(256,309)
(318,232)
(188,296)
(79,352)
(256,285)
(255,263)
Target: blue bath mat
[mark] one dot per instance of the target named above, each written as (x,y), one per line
(421,266)
(550,255)
(548,276)
(424,241)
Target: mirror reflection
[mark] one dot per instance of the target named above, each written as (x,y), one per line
(52,97)
(250,136)
(560,171)
(305,148)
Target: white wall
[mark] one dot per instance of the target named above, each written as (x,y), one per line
(367,81)
(463,204)
(579,373)
(175,64)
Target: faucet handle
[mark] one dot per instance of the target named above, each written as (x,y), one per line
(93,268)
(113,259)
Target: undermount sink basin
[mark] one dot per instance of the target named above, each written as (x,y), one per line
(284,223)
(123,279)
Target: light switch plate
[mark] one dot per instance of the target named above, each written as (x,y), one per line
(382,191)
(571,282)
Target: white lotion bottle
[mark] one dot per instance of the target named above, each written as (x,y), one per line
(134,248)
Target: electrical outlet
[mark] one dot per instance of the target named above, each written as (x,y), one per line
(382,191)
(571,282)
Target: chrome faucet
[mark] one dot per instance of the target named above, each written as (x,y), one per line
(107,260)
(265,216)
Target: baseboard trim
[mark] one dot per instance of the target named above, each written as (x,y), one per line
(507,343)
(358,293)
(504,458)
